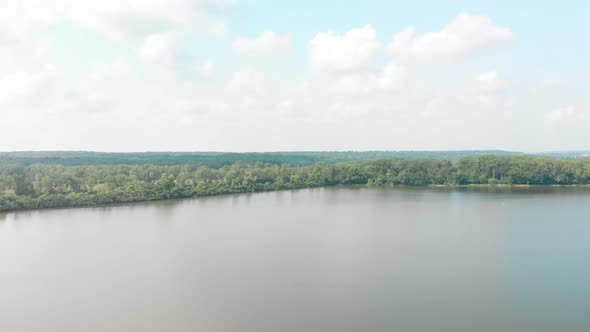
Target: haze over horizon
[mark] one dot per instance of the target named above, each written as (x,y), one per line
(238,76)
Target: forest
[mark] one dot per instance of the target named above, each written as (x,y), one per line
(49,185)
(219,159)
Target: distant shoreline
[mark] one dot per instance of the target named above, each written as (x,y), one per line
(442,186)
(38,186)
(510,186)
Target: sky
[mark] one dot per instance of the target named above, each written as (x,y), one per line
(246,75)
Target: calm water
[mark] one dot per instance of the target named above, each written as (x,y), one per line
(337,259)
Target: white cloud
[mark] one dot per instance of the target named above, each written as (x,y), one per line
(465,36)
(42,49)
(353,87)
(350,52)
(47,92)
(24,86)
(391,78)
(157,49)
(108,87)
(120,19)
(18,18)
(490,82)
(285,106)
(437,105)
(114,19)
(560,114)
(268,42)
(110,71)
(205,69)
(248,81)
(486,90)
(224,4)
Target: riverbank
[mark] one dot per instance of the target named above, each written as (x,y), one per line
(24,187)
(70,203)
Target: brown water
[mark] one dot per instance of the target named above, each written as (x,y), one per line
(336,259)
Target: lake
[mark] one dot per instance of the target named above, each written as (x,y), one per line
(331,259)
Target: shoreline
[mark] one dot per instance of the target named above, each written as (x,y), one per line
(510,186)
(437,186)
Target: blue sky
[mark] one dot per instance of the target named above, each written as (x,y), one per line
(307,75)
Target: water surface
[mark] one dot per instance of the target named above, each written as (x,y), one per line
(334,259)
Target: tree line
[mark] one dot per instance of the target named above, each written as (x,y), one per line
(33,186)
(220,159)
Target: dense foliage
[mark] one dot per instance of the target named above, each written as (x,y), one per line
(47,185)
(219,159)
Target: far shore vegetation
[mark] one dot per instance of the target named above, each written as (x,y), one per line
(47,183)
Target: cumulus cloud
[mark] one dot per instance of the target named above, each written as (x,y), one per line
(353,86)
(114,19)
(489,82)
(559,114)
(286,107)
(109,72)
(487,89)
(107,88)
(352,51)
(248,81)
(391,78)
(157,49)
(205,69)
(485,92)
(267,43)
(24,86)
(439,104)
(465,36)
(18,18)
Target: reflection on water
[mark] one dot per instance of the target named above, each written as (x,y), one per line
(335,259)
